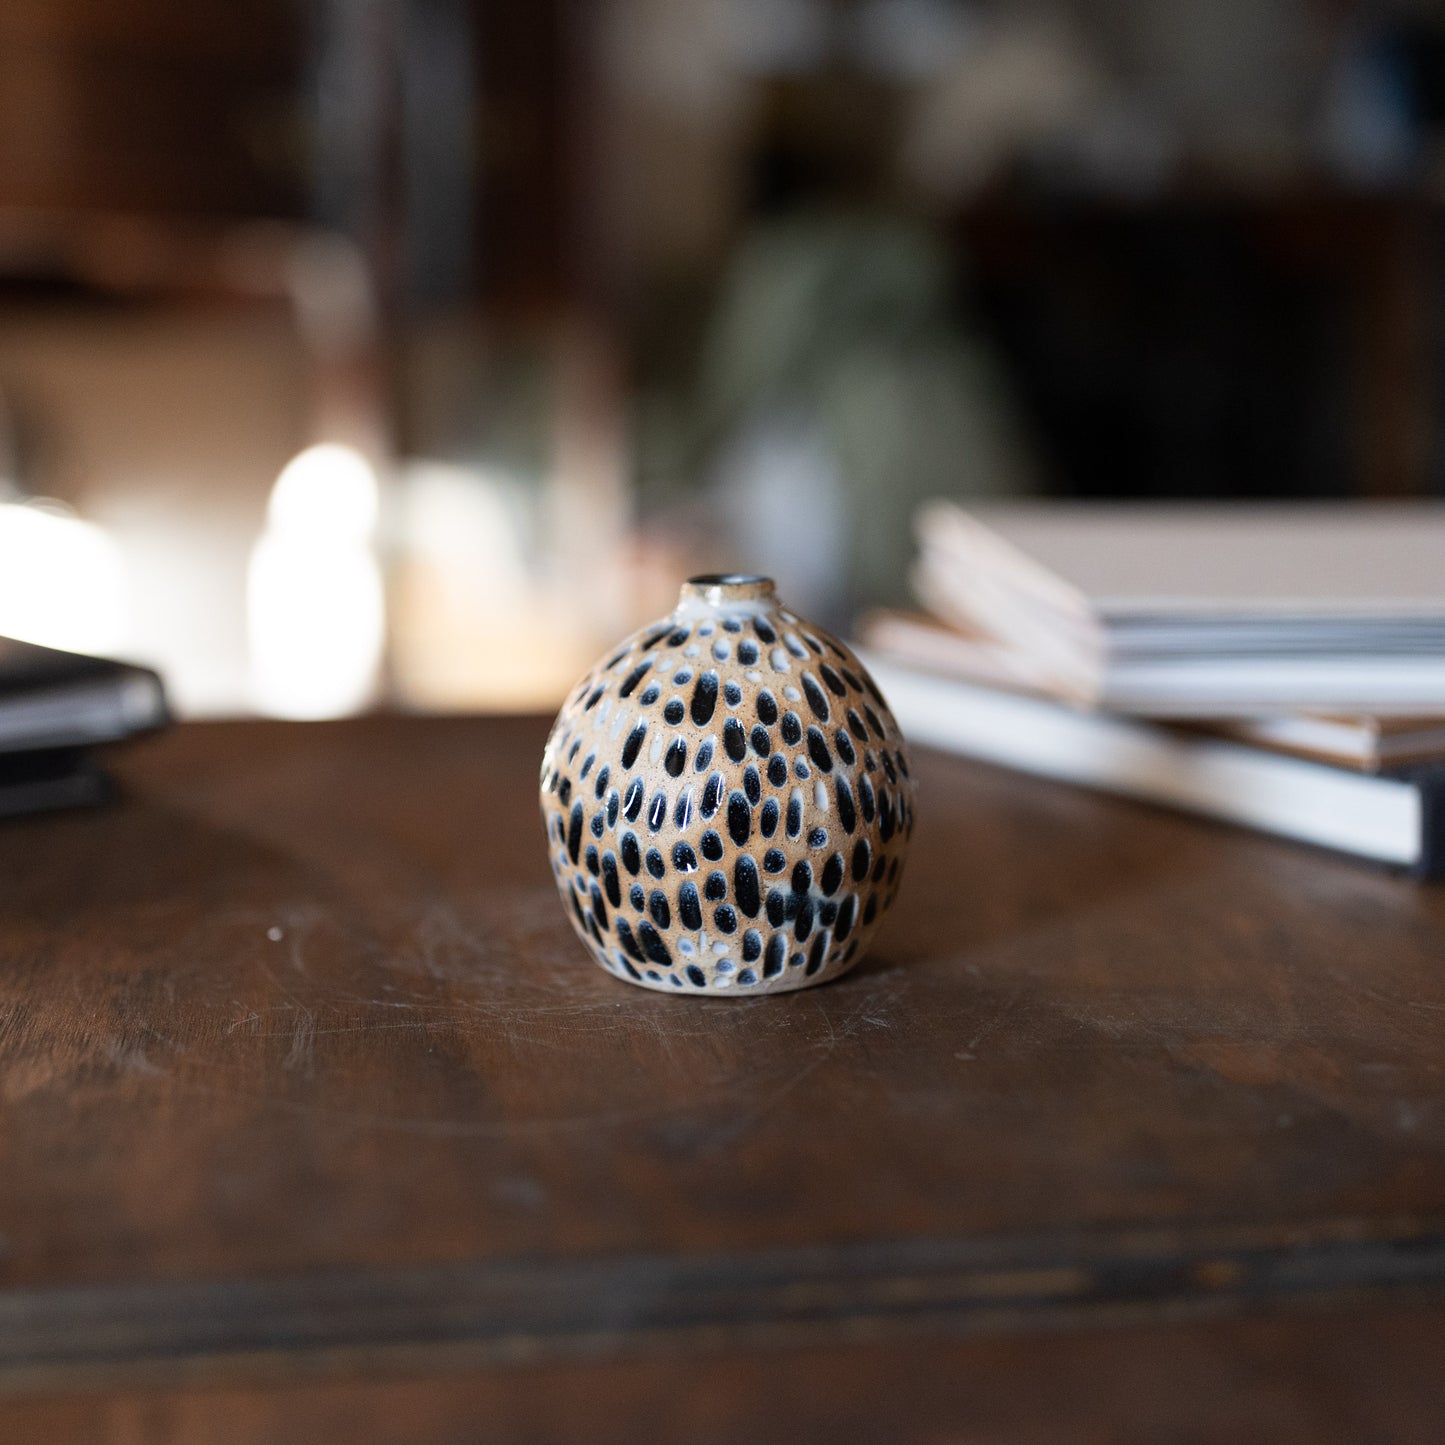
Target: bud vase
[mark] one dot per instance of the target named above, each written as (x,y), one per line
(727,799)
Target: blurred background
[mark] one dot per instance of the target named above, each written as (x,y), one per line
(409,351)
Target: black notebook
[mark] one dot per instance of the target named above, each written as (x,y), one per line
(54,707)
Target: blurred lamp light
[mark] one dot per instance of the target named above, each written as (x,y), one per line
(326,491)
(61,580)
(316,606)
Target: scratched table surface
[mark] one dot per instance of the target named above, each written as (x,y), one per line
(319,1125)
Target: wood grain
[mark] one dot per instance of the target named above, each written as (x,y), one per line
(1330,1379)
(303,1070)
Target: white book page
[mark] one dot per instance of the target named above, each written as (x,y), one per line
(1374,817)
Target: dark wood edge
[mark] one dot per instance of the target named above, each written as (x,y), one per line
(524,1310)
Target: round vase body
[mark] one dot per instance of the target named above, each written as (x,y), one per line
(727,799)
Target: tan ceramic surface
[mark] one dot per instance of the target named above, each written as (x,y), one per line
(732,846)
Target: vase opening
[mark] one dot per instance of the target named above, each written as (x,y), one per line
(718,589)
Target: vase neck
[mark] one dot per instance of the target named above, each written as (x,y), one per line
(727,590)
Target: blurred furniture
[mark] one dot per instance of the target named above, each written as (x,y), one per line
(1220,341)
(319,1126)
(153,106)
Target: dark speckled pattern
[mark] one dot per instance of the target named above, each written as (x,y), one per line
(737,738)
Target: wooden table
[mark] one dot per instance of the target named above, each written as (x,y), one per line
(318,1125)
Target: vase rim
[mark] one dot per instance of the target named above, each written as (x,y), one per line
(719,589)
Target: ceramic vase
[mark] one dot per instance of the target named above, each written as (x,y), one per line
(727,799)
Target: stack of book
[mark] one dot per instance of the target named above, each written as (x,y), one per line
(1279,667)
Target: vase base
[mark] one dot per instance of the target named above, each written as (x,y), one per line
(792,981)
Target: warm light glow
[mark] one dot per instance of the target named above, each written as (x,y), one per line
(326,491)
(61,581)
(475,627)
(316,607)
